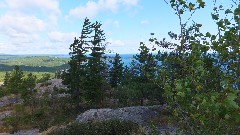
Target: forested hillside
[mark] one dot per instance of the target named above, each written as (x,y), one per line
(34,61)
(35,64)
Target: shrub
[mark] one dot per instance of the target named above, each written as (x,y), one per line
(3,91)
(111,127)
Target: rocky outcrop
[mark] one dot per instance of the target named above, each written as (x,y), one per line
(142,115)
(49,85)
(24,132)
(5,114)
(7,100)
(139,114)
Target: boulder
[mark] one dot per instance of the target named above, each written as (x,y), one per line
(139,114)
(142,115)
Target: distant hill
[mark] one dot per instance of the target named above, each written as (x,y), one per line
(33,63)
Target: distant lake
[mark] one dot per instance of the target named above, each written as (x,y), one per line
(126,58)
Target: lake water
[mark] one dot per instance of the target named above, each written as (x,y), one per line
(126,58)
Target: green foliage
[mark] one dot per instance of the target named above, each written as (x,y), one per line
(16,82)
(34,61)
(200,89)
(111,127)
(37,65)
(116,71)
(13,81)
(145,64)
(6,78)
(44,77)
(140,77)
(41,111)
(96,66)
(2,91)
(86,75)
(37,74)
(28,83)
(74,76)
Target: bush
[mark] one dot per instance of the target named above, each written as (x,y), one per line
(3,91)
(111,127)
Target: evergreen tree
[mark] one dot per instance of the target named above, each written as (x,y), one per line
(29,83)
(14,83)
(6,78)
(96,65)
(127,75)
(45,77)
(86,74)
(146,64)
(74,77)
(145,70)
(116,71)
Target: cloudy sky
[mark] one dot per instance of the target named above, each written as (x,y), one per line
(49,26)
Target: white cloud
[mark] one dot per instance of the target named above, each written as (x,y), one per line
(56,36)
(43,47)
(48,9)
(30,26)
(92,8)
(111,5)
(24,21)
(130,2)
(21,23)
(5,48)
(20,5)
(21,28)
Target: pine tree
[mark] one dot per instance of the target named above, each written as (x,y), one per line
(144,71)
(29,83)
(74,77)
(96,65)
(116,71)
(146,63)
(6,79)
(15,81)
(85,77)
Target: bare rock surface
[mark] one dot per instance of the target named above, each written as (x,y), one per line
(49,85)
(7,100)
(138,114)
(27,132)
(24,132)
(141,115)
(5,114)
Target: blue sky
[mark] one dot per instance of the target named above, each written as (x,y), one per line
(49,26)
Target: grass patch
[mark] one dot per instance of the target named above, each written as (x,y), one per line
(37,74)
(2,75)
